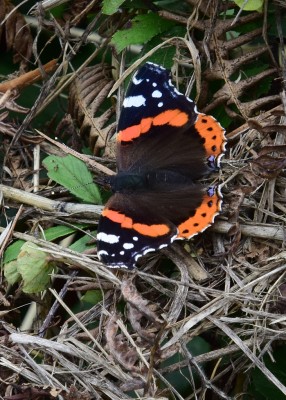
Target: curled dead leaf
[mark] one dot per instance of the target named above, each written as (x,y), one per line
(87,94)
(134,298)
(268,167)
(16,33)
(118,346)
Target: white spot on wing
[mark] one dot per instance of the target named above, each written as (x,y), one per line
(148,250)
(117,266)
(134,101)
(128,246)
(154,84)
(157,94)
(177,92)
(160,104)
(122,253)
(135,238)
(102,253)
(136,81)
(107,238)
(175,237)
(156,65)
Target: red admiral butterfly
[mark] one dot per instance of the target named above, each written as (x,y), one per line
(163,146)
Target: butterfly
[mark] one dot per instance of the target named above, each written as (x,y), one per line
(164,145)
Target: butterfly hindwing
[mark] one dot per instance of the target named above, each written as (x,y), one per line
(127,232)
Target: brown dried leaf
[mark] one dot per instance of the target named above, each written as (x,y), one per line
(16,33)
(268,167)
(134,298)
(87,94)
(273,148)
(271,128)
(118,346)
(135,318)
(237,197)
(259,252)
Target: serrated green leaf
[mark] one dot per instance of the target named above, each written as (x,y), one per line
(35,267)
(110,7)
(11,272)
(250,5)
(74,175)
(143,28)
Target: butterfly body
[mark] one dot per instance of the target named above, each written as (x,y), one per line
(163,147)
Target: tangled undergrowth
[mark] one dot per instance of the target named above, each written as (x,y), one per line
(202,319)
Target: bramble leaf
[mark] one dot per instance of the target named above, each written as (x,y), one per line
(143,28)
(74,175)
(110,7)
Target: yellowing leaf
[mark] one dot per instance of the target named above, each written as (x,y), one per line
(35,267)
(11,272)
(250,5)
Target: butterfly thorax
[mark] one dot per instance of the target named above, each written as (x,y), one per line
(148,180)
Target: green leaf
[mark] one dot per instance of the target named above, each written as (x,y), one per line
(143,28)
(110,7)
(35,267)
(59,231)
(163,56)
(261,386)
(11,272)
(92,297)
(180,379)
(250,5)
(74,175)
(50,234)
(82,244)
(12,252)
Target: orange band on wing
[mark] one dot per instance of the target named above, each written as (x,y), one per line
(154,230)
(212,132)
(204,217)
(171,117)
(175,118)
